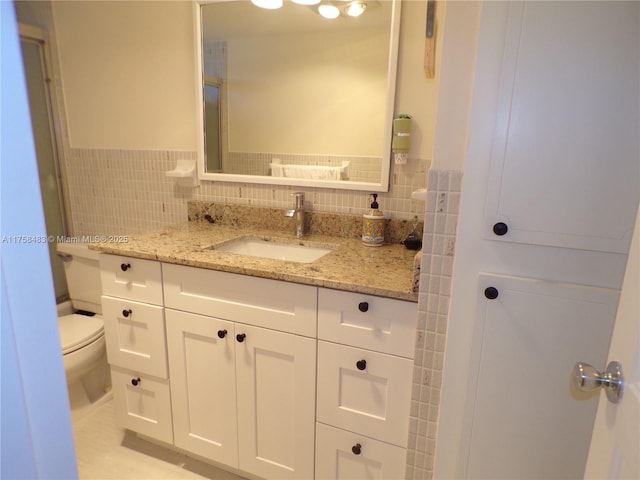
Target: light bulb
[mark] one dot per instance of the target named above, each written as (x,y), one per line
(329,11)
(306,2)
(355,9)
(268,4)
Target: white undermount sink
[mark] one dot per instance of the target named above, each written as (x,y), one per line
(269,248)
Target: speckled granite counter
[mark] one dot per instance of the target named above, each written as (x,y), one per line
(384,271)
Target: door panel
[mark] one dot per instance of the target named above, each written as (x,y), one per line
(203,385)
(276,380)
(556,134)
(525,416)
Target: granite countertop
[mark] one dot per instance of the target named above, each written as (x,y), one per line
(385,271)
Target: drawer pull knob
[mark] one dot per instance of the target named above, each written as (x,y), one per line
(240,337)
(491,293)
(222,333)
(135,381)
(126,313)
(363,306)
(356,449)
(500,229)
(361,364)
(125,266)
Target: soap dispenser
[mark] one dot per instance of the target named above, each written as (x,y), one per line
(413,240)
(373,225)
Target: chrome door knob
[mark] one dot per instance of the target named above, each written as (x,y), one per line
(586,378)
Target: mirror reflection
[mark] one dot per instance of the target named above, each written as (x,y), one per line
(291,97)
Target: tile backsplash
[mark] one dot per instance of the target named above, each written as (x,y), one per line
(127,191)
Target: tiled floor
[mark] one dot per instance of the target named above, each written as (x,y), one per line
(105,451)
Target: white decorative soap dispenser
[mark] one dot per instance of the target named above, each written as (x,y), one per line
(373,225)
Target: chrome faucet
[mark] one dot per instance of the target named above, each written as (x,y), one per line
(298,213)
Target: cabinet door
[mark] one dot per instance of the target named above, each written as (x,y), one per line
(364,391)
(203,385)
(567,129)
(135,336)
(526,416)
(276,378)
(142,403)
(343,455)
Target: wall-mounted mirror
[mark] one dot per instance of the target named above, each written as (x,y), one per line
(292,98)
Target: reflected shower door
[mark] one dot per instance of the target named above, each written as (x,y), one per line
(41,119)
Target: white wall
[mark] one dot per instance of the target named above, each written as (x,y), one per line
(128,73)
(456,83)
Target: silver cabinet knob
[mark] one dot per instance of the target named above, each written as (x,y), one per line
(586,378)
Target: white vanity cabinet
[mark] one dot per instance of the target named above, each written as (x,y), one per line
(243,395)
(365,367)
(269,378)
(136,349)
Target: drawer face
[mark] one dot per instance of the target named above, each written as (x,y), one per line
(364,391)
(342,455)
(386,325)
(131,278)
(135,336)
(273,304)
(144,408)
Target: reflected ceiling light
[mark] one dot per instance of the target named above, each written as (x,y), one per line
(329,11)
(355,9)
(306,2)
(269,4)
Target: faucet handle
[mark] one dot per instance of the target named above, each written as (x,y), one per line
(299,199)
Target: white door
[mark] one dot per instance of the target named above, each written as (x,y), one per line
(615,444)
(551,184)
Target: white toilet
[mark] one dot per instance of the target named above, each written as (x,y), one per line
(82,330)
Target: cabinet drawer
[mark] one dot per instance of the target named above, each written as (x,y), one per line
(131,278)
(343,455)
(364,391)
(134,333)
(256,301)
(144,408)
(380,324)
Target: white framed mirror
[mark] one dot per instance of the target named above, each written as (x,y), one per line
(288,97)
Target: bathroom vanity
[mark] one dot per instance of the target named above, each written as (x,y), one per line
(270,368)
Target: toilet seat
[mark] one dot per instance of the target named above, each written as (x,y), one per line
(77,331)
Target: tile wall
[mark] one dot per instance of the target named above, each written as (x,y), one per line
(438,248)
(126,191)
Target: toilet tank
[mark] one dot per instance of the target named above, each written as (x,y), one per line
(82,271)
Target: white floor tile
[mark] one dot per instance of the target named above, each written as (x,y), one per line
(105,451)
